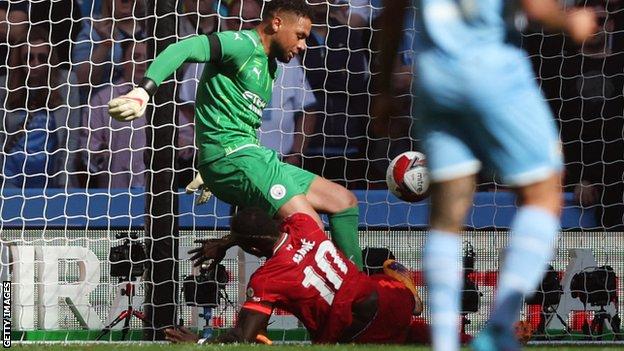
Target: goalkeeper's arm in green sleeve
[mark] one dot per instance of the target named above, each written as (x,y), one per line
(201,48)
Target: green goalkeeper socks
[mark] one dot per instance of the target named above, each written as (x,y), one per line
(344,232)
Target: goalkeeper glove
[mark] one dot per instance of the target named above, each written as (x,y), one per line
(198,185)
(130,106)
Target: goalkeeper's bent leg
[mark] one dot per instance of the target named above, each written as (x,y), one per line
(344,232)
(342,208)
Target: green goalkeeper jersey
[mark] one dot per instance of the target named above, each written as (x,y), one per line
(232,92)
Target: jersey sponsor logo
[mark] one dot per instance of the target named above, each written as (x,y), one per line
(257,104)
(237,36)
(306,246)
(278,191)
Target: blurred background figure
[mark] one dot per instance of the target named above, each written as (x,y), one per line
(387,140)
(115,149)
(62,20)
(97,54)
(362,13)
(584,89)
(90,8)
(243,14)
(336,67)
(41,120)
(283,128)
(596,140)
(13,29)
(199,17)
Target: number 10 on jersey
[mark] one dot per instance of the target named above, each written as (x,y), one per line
(328,281)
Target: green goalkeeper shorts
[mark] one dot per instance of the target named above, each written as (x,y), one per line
(254,176)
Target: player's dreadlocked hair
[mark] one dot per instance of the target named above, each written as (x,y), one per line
(253,223)
(298,7)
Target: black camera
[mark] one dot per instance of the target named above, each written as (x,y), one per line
(470,296)
(374,258)
(594,285)
(206,288)
(127,259)
(548,293)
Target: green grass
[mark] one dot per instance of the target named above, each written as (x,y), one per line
(163,347)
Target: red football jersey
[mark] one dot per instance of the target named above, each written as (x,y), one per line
(310,278)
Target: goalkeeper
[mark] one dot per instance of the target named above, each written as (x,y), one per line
(235,87)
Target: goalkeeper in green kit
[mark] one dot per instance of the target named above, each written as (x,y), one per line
(234,88)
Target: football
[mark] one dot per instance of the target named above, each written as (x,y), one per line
(407,176)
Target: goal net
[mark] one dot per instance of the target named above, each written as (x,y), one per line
(78,190)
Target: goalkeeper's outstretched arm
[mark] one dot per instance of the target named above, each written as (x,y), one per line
(201,48)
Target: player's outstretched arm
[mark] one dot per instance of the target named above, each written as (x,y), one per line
(249,325)
(579,23)
(211,249)
(199,48)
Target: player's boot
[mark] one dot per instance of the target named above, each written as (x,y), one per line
(400,273)
(494,338)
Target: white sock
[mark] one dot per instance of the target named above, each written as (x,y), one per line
(442,267)
(530,248)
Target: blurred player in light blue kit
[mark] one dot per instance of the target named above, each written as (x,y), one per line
(478,105)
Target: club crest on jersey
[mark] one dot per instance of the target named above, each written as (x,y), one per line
(306,246)
(250,293)
(278,191)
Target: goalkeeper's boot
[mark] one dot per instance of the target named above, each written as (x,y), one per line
(495,338)
(399,272)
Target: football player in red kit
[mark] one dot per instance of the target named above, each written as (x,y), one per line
(307,276)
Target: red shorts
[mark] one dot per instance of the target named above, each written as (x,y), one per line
(394,313)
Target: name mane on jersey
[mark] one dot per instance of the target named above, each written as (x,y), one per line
(306,246)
